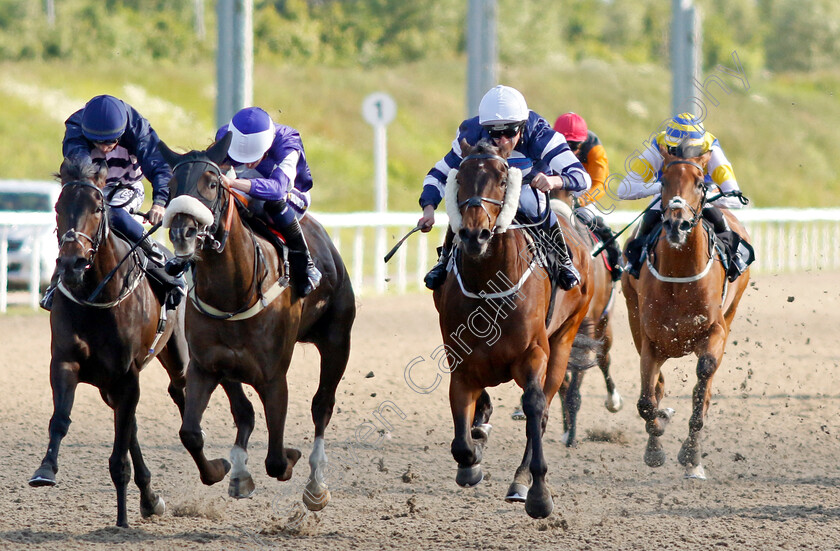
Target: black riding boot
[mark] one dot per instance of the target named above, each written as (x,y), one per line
(569,275)
(634,246)
(305,275)
(47,300)
(172,285)
(153,252)
(715,216)
(437,275)
(606,235)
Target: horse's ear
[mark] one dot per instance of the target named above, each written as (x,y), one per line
(219,150)
(466,148)
(703,160)
(169,156)
(667,157)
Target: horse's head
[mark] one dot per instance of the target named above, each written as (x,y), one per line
(683,192)
(482,196)
(81,217)
(199,198)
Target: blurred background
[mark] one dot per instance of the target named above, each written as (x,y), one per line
(316,60)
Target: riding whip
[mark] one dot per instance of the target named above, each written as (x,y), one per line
(108,277)
(606,242)
(399,243)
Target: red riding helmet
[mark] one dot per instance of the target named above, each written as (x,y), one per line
(572,126)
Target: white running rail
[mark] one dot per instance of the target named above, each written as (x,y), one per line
(784,239)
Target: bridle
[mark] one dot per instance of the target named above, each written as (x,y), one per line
(678,202)
(73,235)
(187,186)
(479,200)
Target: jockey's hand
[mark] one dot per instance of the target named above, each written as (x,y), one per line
(427,221)
(155,214)
(240,184)
(546,183)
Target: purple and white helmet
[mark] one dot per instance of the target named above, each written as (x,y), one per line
(253,133)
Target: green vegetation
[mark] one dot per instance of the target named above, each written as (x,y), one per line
(317,60)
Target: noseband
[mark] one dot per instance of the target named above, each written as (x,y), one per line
(678,202)
(479,200)
(72,235)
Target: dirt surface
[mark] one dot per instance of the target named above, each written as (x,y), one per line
(772,449)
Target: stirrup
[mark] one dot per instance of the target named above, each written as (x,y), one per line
(306,276)
(47,300)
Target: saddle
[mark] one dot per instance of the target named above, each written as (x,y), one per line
(258,224)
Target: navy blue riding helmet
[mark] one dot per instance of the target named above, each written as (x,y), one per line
(104,119)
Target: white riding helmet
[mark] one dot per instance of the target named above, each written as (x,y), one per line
(253,133)
(502,106)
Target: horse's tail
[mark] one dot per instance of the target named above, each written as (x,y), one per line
(587,351)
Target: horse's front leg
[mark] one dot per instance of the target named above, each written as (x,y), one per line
(653,387)
(124,401)
(241,484)
(708,362)
(279,461)
(200,386)
(614,402)
(466,451)
(64,377)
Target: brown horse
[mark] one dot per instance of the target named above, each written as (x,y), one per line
(594,339)
(106,339)
(494,308)
(243,320)
(681,303)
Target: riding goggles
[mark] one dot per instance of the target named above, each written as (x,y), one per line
(508,131)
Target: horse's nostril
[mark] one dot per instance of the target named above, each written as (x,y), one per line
(80,263)
(191,232)
(685,225)
(484,235)
(463,234)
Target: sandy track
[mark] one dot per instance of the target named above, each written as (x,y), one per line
(772,452)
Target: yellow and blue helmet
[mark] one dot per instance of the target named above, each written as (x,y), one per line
(687,130)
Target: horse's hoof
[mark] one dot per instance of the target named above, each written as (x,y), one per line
(614,403)
(44,476)
(517,493)
(468,477)
(518,414)
(539,504)
(219,468)
(654,457)
(564,438)
(157,509)
(696,472)
(316,496)
(482,431)
(241,487)
(689,456)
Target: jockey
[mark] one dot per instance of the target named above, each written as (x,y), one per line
(504,118)
(108,130)
(686,136)
(588,149)
(274,154)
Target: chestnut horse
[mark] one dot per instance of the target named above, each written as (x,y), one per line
(681,303)
(243,320)
(106,325)
(595,335)
(494,308)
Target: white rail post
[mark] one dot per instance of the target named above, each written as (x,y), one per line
(4,267)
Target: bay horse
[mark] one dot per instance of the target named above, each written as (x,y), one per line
(243,320)
(681,303)
(493,311)
(105,340)
(595,336)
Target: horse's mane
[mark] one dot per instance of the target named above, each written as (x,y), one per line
(485,146)
(685,151)
(78,168)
